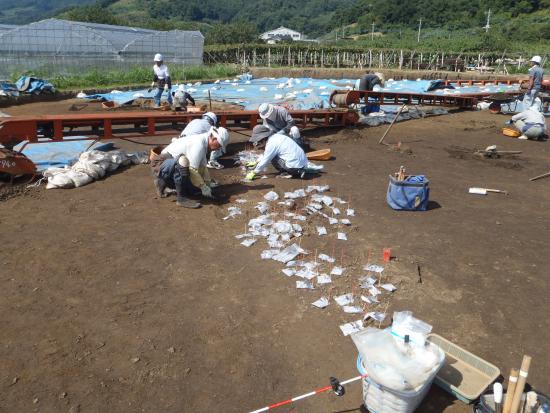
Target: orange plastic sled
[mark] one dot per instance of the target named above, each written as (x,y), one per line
(320,155)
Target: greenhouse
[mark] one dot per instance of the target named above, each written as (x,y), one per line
(55,45)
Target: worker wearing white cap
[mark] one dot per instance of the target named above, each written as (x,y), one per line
(182,166)
(202,125)
(536,75)
(284,154)
(161,79)
(181,99)
(278,120)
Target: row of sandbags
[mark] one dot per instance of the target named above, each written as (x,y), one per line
(91,166)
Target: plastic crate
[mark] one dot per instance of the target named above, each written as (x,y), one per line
(464,374)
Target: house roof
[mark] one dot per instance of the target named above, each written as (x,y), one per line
(281,28)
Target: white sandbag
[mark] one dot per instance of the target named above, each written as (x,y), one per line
(138,158)
(60,180)
(117,158)
(51,172)
(79,178)
(91,169)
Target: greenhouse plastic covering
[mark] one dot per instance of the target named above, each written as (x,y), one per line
(62,46)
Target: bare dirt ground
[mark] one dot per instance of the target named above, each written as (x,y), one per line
(113,300)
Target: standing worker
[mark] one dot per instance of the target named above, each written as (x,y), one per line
(370,80)
(284,154)
(536,75)
(203,125)
(181,99)
(278,120)
(161,80)
(182,166)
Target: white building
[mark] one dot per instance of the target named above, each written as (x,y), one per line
(273,36)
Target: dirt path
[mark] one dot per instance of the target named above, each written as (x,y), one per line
(114,300)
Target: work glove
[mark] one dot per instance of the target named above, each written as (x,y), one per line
(206,191)
(250,176)
(213,184)
(152,85)
(166,88)
(251,164)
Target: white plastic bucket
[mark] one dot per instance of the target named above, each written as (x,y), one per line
(381,399)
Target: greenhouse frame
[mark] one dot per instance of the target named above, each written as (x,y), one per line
(62,46)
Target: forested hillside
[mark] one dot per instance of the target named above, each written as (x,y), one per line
(240,21)
(26,11)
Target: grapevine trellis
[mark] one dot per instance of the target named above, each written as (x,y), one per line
(299,56)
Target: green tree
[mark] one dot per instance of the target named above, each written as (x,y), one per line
(232,33)
(93,14)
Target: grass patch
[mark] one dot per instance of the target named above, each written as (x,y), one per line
(137,75)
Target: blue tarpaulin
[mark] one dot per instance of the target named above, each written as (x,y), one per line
(296,93)
(33,85)
(58,154)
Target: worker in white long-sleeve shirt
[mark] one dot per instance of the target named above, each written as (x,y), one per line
(279,120)
(161,79)
(283,153)
(203,125)
(531,123)
(182,166)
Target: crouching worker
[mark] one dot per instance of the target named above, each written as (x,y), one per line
(203,125)
(370,80)
(182,166)
(279,120)
(530,123)
(283,153)
(182,99)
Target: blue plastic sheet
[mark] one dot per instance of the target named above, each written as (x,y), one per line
(58,154)
(33,85)
(296,93)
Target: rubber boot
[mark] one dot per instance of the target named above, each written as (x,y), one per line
(160,186)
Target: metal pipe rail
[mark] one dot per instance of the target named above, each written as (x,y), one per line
(347,98)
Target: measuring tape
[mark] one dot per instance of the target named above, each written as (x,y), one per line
(335,385)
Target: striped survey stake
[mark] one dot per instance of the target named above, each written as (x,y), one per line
(335,385)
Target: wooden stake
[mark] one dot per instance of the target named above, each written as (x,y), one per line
(510,389)
(391,124)
(540,176)
(523,372)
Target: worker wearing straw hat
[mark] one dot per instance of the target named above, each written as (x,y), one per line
(370,80)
